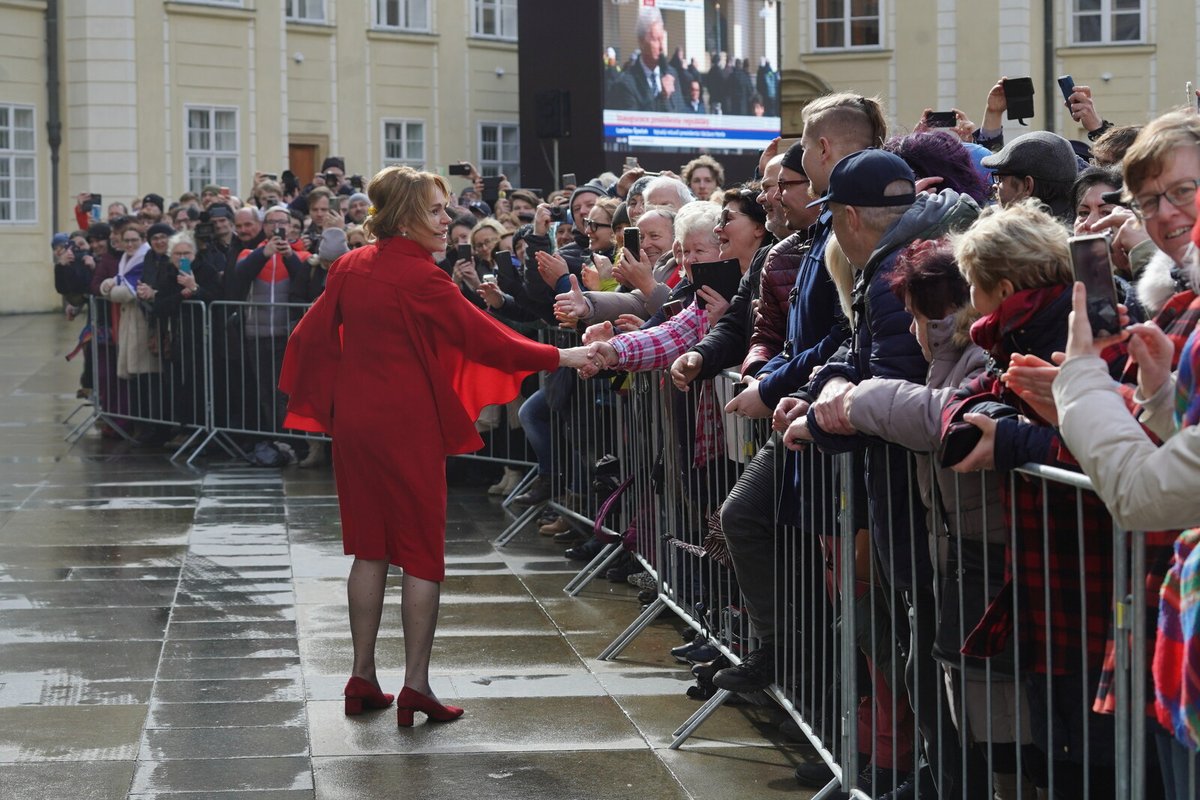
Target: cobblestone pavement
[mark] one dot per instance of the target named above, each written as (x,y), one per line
(170,632)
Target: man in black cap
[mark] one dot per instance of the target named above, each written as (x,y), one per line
(152,209)
(333,173)
(876,213)
(1039,164)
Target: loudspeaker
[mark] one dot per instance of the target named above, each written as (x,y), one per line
(553,120)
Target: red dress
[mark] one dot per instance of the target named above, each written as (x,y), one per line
(396,364)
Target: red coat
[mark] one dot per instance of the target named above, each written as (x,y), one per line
(396,365)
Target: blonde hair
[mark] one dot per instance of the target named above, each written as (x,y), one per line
(608,205)
(847,115)
(1021,243)
(842,272)
(488,224)
(401,197)
(1144,158)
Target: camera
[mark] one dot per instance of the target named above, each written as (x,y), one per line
(331,180)
(558,213)
(204,231)
(356,182)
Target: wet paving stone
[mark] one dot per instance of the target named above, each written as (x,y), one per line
(169,632)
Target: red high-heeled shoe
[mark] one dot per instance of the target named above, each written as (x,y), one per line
(411,700)
(362,695)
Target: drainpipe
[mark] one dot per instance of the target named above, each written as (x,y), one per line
(1050,93)
(53,120)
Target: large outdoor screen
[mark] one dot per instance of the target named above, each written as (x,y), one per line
(690,75)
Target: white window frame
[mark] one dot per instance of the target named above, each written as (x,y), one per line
(404,11)
(504,13)
(491,167)
(10,156)
(223,3)
(1106,13)
(306,10)
(406,160)
(846,20)
(211,152)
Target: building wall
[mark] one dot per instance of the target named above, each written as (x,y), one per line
(131,68)
(947,54)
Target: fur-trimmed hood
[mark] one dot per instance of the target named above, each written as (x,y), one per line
(1162,277)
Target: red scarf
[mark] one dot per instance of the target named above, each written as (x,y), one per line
(1013,313)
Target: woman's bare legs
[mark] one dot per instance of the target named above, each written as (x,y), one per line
(364,590)
(419,612)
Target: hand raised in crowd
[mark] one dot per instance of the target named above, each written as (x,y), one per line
(1153,352)
(551,266)
(145,291)
(1032,379)
(997,104)
(717,304)
(273,245)
(569,306)
(1083,108)
(769,152)
(1080,341)
(831,410)
(591,277)
(629,322)
(1130,232)
(541,219)
(602,268)
(82,198)
(491,295)
(797,436)
(685,370)
(748,403)
(628,178)
(186,281)
(927,184)
(600,332)
(635,272)
(963,128)
(786,412)
(464,274)
(334,219)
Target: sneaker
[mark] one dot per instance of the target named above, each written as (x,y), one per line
(586,551)
(703,654)
(537,493)
(755,673)
(813,775)
(642,580)
(680,653)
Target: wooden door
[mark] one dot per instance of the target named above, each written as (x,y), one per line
(302,161)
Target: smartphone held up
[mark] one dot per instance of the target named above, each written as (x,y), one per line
(1091,260)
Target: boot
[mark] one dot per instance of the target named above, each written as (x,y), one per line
(315,457)
(506,484)
(555,526)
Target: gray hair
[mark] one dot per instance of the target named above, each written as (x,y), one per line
(648,17)
(659,211)
(682,194)
(696,216)
(277,209)
(182,237)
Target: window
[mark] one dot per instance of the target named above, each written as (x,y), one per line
(212,147)
(18,181)
(842,24)
(404,143)
(306,10)
(409,15)
(495,18)
(500,150)
(1106,21)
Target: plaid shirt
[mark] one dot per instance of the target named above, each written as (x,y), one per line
(658,347)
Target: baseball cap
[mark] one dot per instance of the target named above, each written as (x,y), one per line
(859,179)
(60,240)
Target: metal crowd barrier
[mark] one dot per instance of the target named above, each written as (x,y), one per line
(899,657)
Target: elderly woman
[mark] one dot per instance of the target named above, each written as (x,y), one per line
(407,364)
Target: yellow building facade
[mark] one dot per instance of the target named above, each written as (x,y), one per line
(165,96)
(1136,55)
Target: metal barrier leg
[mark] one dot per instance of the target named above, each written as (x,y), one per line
(183,448)
(636,627)
(596,566)
(686,730)
(831,789)
(77,432)
(517,525)
(78,408)
(520,488)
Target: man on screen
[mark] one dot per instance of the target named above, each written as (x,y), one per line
(650,84)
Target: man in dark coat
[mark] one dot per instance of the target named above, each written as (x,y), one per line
(651,84)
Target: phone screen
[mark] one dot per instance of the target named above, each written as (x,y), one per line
(633,241)
(1093,268)
(335,204)
(568,179)
(185,264)
(464,252)
(941,119)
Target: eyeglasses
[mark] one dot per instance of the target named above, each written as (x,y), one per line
(727,216)
(1181,194)
(132,240)
(798,182)
(593,225)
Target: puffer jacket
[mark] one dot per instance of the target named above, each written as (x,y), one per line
(770,320)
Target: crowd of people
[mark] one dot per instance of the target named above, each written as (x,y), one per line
(907,293)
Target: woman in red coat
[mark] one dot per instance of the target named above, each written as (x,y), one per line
(395,364)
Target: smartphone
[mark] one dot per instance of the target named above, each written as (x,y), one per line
(280,232)
(356,182)
(568,179)
(185,264)
(335,204)
(1066,85)
(505,268)
(460,169)
(488,277)
(464,252)
(941,119)
(491,189)
(1018,94)
(93,205)
(631,162)
(633,241)
(1092,263)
